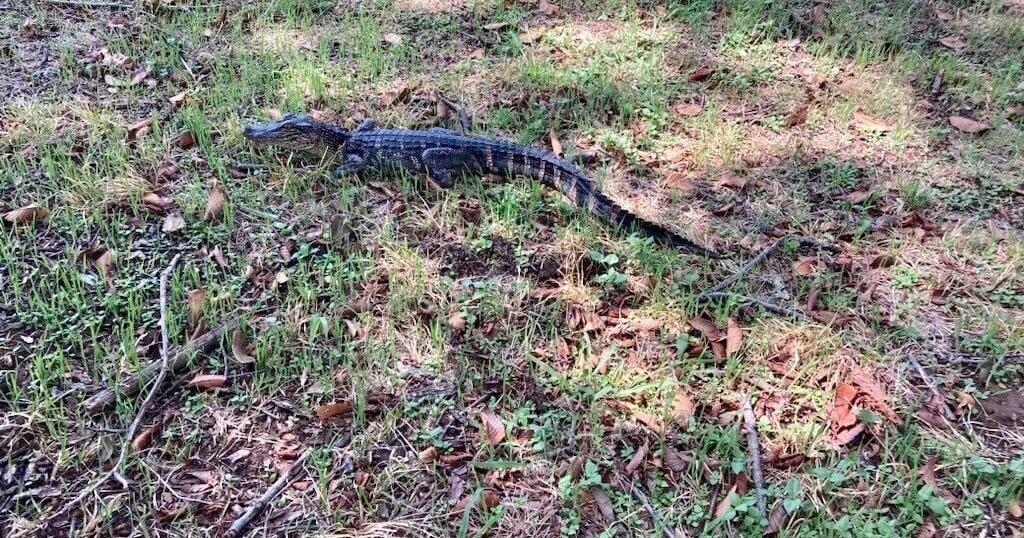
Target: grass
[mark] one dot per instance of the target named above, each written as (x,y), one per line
(421,308)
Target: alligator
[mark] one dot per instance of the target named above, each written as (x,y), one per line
(443,155)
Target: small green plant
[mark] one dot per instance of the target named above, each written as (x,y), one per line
(611,276)
(569,490)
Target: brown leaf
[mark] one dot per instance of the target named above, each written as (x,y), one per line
(775,519)
(458,457)
(943,15)
(475,54)
(680,181)
(196,298)
(428,454)
(548,8)
(604,504)
(208,381)
(707,328)
(139,128)
(723,504)
(144,438)
(178,99)
(218,256)
(871,123)
(556,145)
(857,197)
(333,409)
(874,392)
(953,42)
(718,349)
(968,125)
(675,460)
(104,263)
(849,434)
(457,322)
(637,459)
(494,429)
(804,266)
(185,140)
(157,203)
(689,109)
(531,34)
(214,202)
(927,530)
(701,73)
(842,415)
(488,499)
(1014,509)
(392,39)
(495,25)
(239,350)
(732,180)
(734,337)
(172,222)
(797,117)
(27,215)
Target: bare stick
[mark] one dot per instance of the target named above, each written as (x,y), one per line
(134,427)
(755,452)
(931,386)
(635,491)
(133,383)
(769,306)
(742,271)
(87,4)
(237,528)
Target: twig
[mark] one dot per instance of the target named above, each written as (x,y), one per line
(137,421)
(771,307)
(635,491)
(133,383)
(742,271)
(931,386)
(237,528)
(89,4)
(463,117)
(755,452)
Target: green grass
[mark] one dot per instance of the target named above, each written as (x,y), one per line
(421,308)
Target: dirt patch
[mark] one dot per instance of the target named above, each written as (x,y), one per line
(1004,409)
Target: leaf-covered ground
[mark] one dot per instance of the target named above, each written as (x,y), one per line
(489,360)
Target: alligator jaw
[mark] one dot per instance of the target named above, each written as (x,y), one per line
(262,133)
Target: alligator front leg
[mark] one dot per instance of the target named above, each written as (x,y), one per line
(353,163)
(442,164)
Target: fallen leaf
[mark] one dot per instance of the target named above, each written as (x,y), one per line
(734,337)
(494,429)
(495,25)
(178,99)
(805,266)
(699,74)
(239,350)
(707,328)
(689,109)
(144,438)
(196,298)
(874,392)
(428,454)
(173,222)
(604,504)
(157,203)
(185,140)
(208,381)
(775,519)
(333,409)
(104,263)
(943,15)
(871,123)
(857,197)
(675,460)
(475,54)
(1014,509)
(548,8)
(111,80)
(637,459)
(488,499)
(842,415)
(953,42)
(453,459)
(680,181)
(214,202)
(27,215)
(723,505)
(797,117)
(139,128)
(968,125)
(456,321)
(556,145)
(732,180)
(140,75)
(392,39)
(849,434)
(238,455)
(531,34)
(927,530)
(218,256)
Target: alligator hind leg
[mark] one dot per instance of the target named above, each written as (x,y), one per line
(353,163)
(442,164)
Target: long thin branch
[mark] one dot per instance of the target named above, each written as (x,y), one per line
(754,448)
(655,518)
(932,387)
(89,4)
(133,383)
(137,421)
(742,270)
(769,306)
(239,526)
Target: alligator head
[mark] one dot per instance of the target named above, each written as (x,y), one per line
(297,132)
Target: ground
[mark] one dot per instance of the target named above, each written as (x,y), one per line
(490,360)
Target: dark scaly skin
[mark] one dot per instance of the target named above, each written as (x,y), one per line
(444,155)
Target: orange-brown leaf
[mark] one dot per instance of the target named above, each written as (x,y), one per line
(689,109)
(215,202)
(196,298)
(27,214)
(239,349)
(333,409)
(875,394)
(871,123)
(637,459)
(707,328)
(734,337)
(494,428)
(968,125)
(208,381)
(953,42)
